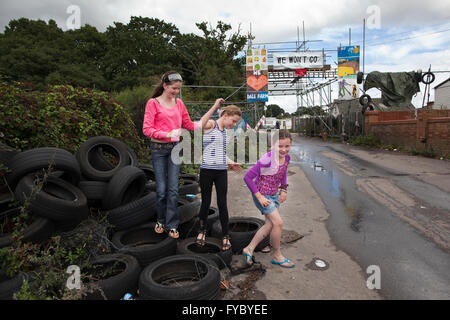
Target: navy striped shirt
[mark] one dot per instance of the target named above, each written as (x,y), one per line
(215,149)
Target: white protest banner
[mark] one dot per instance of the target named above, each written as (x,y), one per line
(298,60)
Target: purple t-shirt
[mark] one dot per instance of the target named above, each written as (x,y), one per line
(269,176)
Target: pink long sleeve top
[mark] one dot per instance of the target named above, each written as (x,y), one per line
(159,121)
(267,184)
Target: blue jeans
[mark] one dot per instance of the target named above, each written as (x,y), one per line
(274,204)
(166,176)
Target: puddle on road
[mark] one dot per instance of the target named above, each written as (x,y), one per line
(329,181)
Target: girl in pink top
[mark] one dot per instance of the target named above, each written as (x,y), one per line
(164,116)
(268,184)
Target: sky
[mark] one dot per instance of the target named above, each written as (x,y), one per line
(400,35)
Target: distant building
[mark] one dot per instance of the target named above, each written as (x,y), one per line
(285,123)
(442,95)
(270,122)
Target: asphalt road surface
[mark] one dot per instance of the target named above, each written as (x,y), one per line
(386,209)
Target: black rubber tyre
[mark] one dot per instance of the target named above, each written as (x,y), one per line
(242,230)
(188,229)
(6,201)
(211,250)
(196,278)
(148,170)
(360,77)
(144,243)
(40,158)
(364,109)
(99,161)
(125,186)
(58,200)
(188,187)
(365,100)
(189,182)
(89,149)
(191,228)
(115,287)
(425,77)
(10,286)
(188,176)
(133,213)
(188,209)
(39,230)
(93,190)
(6,154)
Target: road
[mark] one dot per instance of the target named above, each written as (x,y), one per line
(358,208)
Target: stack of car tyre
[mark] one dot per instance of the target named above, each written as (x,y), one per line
(60,189)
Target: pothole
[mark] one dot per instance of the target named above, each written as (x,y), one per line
(318,264)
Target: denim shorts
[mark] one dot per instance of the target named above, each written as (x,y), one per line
(274,204)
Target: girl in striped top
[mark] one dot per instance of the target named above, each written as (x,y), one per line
(213,170)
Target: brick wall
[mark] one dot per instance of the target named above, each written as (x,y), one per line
(422,130)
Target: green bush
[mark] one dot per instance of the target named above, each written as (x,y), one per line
(62,117)
(135,100)
(367,141)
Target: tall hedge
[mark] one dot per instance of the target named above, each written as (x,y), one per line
(62,117)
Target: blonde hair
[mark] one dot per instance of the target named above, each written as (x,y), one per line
(230,110)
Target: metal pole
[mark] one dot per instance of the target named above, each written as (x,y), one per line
(364,46)
(304,39)
(349,36)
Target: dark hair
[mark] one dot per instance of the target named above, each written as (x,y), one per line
(159,89)
(282,134)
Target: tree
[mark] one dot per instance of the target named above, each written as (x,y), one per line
(41,53)
(274,110)
(31,50)
(138,50)
(316,110)
(211,59)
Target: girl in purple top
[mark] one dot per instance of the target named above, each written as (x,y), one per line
(268,191)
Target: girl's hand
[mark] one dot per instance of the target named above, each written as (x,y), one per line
(174,133)
(236,167)
(282,197)
(218,102)
(263,201)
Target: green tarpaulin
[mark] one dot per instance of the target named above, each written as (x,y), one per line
(397,88)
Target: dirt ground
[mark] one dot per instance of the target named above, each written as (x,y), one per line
(304,215)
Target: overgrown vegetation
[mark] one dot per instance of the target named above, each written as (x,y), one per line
(62,117)
(365,141)
(46,263)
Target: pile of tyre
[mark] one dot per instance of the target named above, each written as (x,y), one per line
(60,189)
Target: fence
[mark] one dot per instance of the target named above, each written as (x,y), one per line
(342,125)
(422,130)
